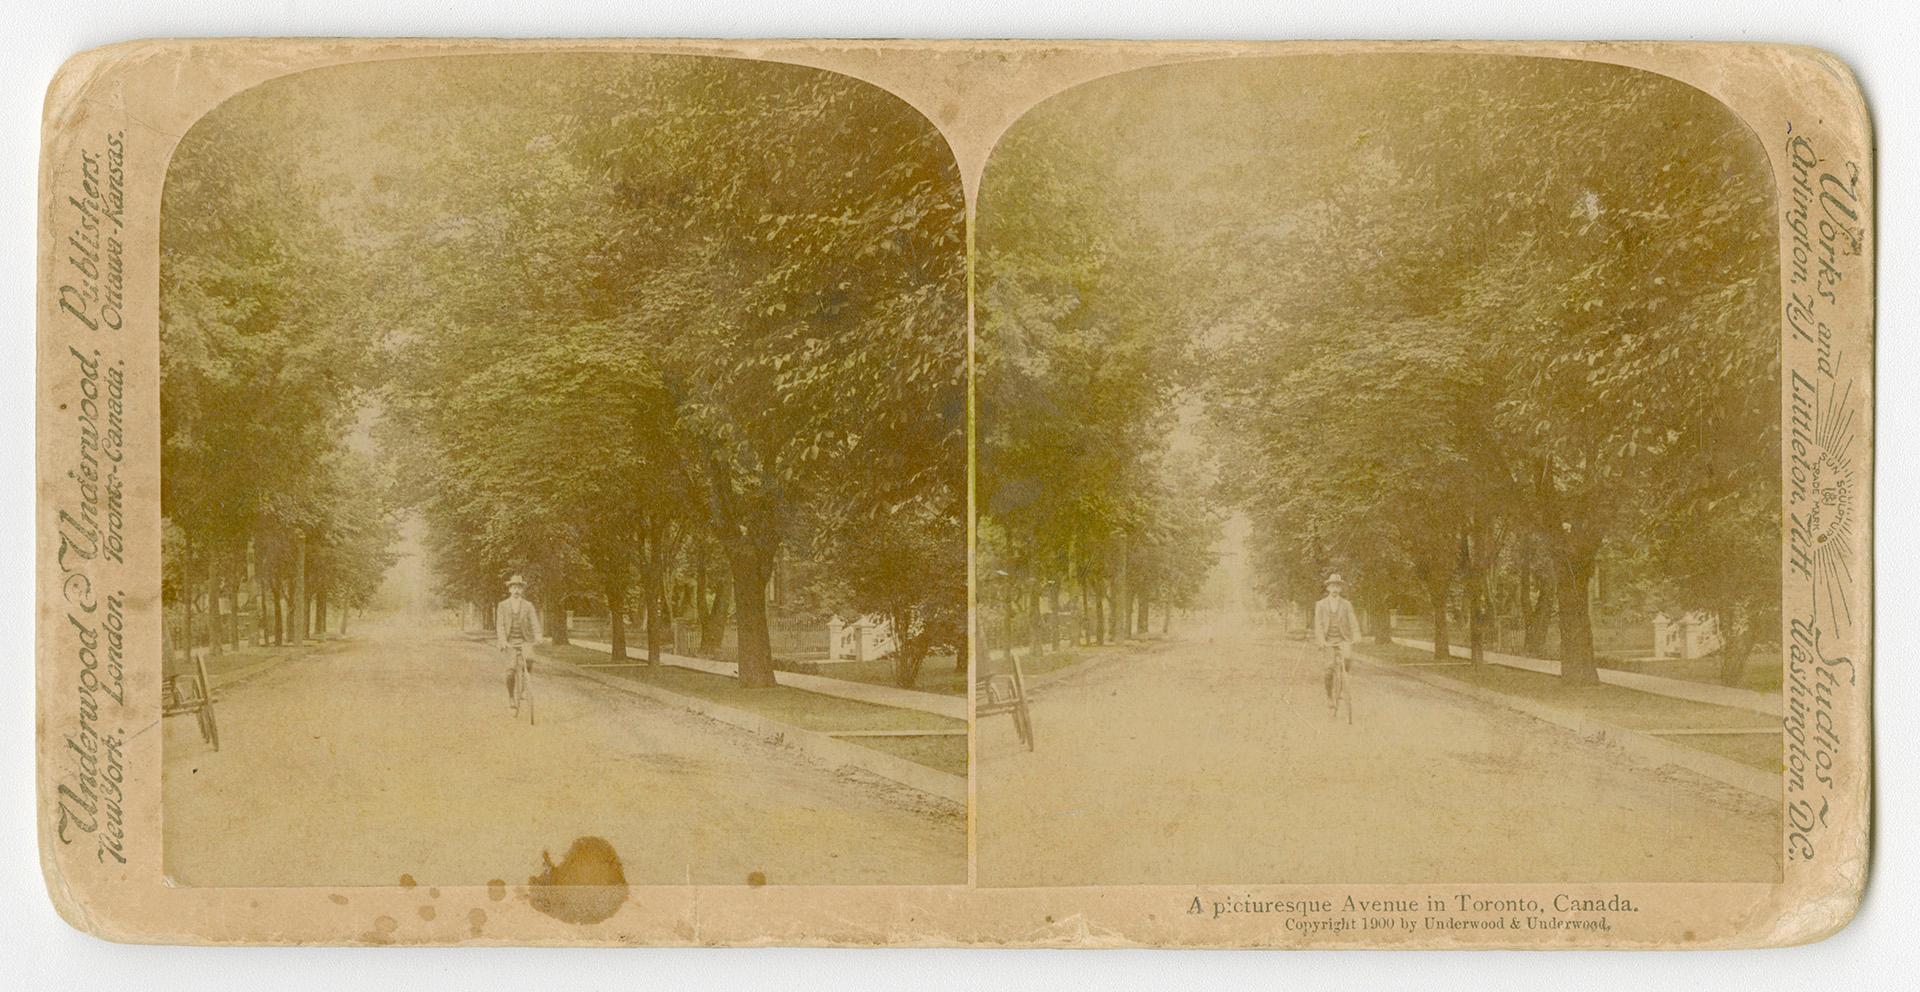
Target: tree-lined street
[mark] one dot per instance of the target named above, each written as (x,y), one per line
(1493,339)
(1470,331)
(681,343)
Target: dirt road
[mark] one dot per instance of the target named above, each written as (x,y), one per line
(394,754)
(1198,762)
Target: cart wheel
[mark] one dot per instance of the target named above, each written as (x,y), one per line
(209,730)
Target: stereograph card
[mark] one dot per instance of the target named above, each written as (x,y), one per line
(1085,494)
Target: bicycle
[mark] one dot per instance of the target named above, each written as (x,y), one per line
(1341,692)
(519,683)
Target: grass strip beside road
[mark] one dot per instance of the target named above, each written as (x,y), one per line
(250,656)
(946,753)
(936,673)
(1762,751)
(1068,655)
(1034,666)
(1761,673)
(798,707)
(1629,709)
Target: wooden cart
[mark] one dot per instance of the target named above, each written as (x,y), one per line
(185,688)
(1006,692)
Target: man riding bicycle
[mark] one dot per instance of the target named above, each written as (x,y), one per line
(1335,626)
(516,628)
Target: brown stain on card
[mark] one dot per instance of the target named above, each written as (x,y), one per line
(587,886)
(382,932)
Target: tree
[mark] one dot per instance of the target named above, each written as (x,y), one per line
(264,359)
(1589,258)
(813,226)
(1081,354)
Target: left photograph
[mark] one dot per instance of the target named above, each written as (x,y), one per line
(564,479)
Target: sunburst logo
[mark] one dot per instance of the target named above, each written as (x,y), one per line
(1829,512)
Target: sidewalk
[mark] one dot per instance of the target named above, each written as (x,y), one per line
(231,666)
(1699,692)
(952,707)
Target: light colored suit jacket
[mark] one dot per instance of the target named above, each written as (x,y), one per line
(1335,617)
(503,616)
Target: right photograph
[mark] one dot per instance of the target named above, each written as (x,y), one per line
(1378,479)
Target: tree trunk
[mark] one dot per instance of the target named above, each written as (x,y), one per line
(1476,631)
(1122,605)
(1006,620)
(1539,611)
(1100,616)
(554,608)
(279,614)
(647,625)
(750,566)
(1442,642)
(910,652)
(1033,622)
(713,629)
(659,619)
(263,614)
(616,624)
(299,604)
(700,605)
(344,610)
(320,613)
(1526,603)
(236,587)
(1736,644)
(1573,572)
(1053,628)
(216,614)
(216,633)
(1476,618)
(186,620)
(1145,624)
